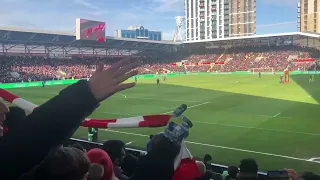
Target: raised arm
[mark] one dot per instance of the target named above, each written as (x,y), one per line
(58,118)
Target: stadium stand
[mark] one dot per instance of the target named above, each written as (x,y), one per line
(36,68)
(61,56)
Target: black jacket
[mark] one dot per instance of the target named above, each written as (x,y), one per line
(46,127)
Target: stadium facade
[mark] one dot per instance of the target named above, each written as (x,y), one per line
(139,32)
(216,19)
(308,16)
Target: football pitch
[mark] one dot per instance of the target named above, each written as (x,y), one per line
(234,116)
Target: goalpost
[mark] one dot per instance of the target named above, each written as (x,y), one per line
(262,70)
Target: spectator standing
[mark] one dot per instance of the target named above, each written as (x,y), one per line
(116,151)
(248,169)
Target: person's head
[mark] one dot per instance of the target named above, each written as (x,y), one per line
(116,151)
(65,163)
(248,168)
(78,146)
(233,171)
(207,158)
(100,157)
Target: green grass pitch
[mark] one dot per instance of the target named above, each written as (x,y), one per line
(234,116)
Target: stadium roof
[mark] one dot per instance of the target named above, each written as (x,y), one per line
(295,38)
(11,35)
(51,42)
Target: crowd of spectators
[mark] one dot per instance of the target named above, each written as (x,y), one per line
(264,58)
(25,68)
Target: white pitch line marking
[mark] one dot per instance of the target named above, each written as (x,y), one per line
(160,99)
(222,147)
(317,159)
(189,107)
(277,114)
(282,117)
(251,127)
(128,143)
(123,95)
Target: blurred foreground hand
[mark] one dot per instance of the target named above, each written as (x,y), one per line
(105,83)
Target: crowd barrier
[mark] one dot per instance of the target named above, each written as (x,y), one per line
(217,168)
(70,81)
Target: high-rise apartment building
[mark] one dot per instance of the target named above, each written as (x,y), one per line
(215,19)
(308,16)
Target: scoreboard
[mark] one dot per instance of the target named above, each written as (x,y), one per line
(90,30)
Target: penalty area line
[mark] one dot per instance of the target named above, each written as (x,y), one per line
(189,107)
(277,114)
(223,147)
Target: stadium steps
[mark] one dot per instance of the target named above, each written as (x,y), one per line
(221,56)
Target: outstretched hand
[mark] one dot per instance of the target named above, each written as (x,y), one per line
(105,83)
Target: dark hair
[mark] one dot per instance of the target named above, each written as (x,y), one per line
(78,146)
(113,148)
(248,166)
(14,117)
(207,158)
(233,171)
(65,163)
(129,164)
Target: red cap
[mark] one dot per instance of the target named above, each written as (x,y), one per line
(99,156)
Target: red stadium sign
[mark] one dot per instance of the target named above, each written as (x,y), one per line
(309,60)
